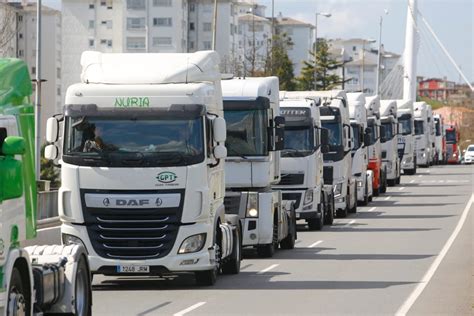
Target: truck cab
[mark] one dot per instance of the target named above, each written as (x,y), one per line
(440,139)
(390,154)
(360,142)
(372,104)
(255,137)
(142,166)
(423,134)
(302,179)
(406,139)
(452,144)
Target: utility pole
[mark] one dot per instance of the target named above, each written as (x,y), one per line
(38,93)
(379,56)
(214,26)
(273,36)
(409,54)
(327,15)
(254,50)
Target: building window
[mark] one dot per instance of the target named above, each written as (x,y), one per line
(20,35)
(91,24)
(162,41)
(33,70)
(135,43)
(207,27)
(192,8)
(207,45)
(91,6)
(354,48)
(20,18)
(103,42)
(162,22)
(136,4)
(58,73)
(58,91)
(135,23)
(191,26)
(20,53)
(191,45)
(162,3)
(103,3)
(91,42)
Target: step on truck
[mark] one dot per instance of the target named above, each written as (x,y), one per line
(391,160)
(360,146)
(423,134)
(306,141)
(255,137)
(440,140)
(406,139)
(142,166)
(372,104)
(50,279)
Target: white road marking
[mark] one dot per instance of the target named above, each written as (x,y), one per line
(434,266)
(372,209)
(273,266)
(402,188)
(315,244)
(351,222)
(412,181)
(420,175)
(387,198)
(189,309)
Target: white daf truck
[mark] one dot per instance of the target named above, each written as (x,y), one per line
(360,145)
(34,280)
(406,139)
(302,180)
(142,166)
(391,160)
(423,134)
(255,136)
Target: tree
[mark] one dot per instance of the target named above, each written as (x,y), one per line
(278,62)
(8,30)
(326,78)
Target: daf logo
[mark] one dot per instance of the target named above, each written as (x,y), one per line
(158,202)
(132,202)
(106,202)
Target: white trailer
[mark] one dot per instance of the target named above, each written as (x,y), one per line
(390,154)
(302,179)
(142,166)
(406,139)
(423,133)
(255,132)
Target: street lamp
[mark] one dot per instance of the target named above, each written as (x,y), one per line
(327,15)
(364,41)
(377,80)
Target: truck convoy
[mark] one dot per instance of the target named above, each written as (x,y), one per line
(453,150)
(440,140)
(423,136)
(390,155)
(255,137)
(142,166)
(360,143)
(372,104)
(306,141)
(36,279)
(406,139)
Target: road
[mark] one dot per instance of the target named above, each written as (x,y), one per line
(396,255)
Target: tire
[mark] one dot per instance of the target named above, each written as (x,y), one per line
(289,241)
(398,180)
(19,300)
(329,216)
(383,187)
(343,213)
(232,265)
(316,223)
(376,192)
(353,209)
(83,294)
(366,195)
(392,182)
(206,278)
(268,250)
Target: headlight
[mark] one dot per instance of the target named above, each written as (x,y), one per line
(424,155)
(337,189)
(389,165)
(308,197)
(360,184)
(193,243)
(252,204)
(72,240)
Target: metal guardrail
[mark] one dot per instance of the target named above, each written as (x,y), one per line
(47,205)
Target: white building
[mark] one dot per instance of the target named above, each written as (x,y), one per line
(24,47)
(302,36)
(121,26)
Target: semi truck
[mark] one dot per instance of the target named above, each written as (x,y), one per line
(360,146)
(142,166)
(302,180)
(390,154)
(423,134)
(372,104)
(452,144)
(255,138)
(51,279)
(440,140)
(406,139)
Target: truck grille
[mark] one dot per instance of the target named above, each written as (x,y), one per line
(292,179)
(131,234)
(232,204)
(292,197)
(328,175)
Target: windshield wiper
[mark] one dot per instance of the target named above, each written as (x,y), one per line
(230,149)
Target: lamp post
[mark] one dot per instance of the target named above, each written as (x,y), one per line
(214,26)
(38,93)
(379,56)
(327,15)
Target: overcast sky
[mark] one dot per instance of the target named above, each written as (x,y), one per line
(452,20)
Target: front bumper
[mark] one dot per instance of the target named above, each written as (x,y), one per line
(422,158)
(297,197)
(360,189)
(408,162)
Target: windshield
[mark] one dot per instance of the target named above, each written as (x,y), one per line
(438,127)
(405,125)
(334,132)
(451,137)
(470,148)
(373,133)
(388,130)
(299,141)
(356,143)
(246,132)
(418,127)
(120,142)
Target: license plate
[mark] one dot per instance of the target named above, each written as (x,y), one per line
(133,269)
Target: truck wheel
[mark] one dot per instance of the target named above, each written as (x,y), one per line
(383,187)
(232,264)
(268,250)
(83,295)
(289,241)
(206,278)
(18,298)
(315,223)
(366,195)
(397,181)
(342,213)
(329,216)
(392,182)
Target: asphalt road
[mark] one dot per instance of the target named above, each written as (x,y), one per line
(396,255)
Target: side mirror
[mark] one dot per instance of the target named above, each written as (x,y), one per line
(52,130)
(11,180)
(367,138)
(219,129)
(324,137)
(382,134)
(220,152)
(279,133)
(51,152)
(13,145)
